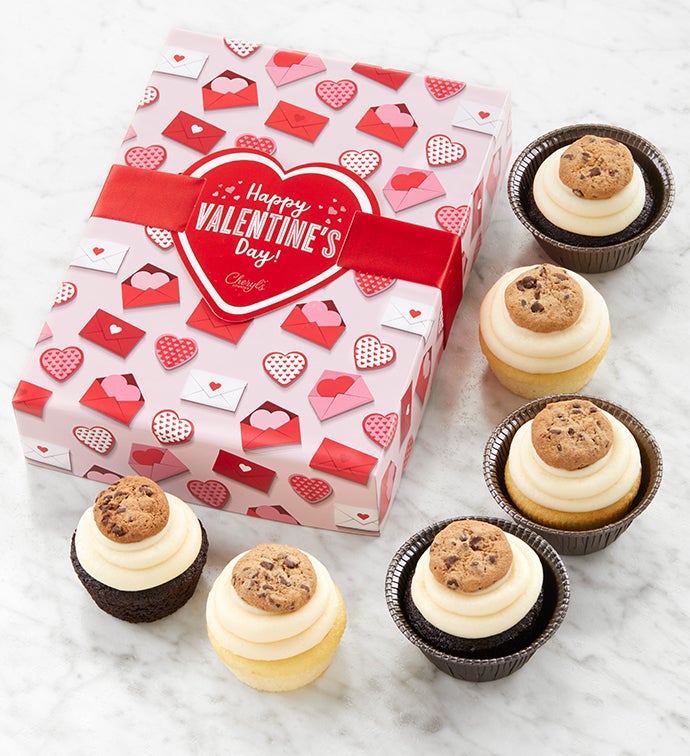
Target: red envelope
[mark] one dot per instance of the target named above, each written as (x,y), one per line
(193,132)
(204,319)
(317,330)
(112,333)
(389,77)
(229,90)
(244,470)
(389,128)
(270,425)
(297,121)
(30,398)
(343,461)
(117,396)
(150,286)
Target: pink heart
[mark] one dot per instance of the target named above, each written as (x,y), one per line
(224,85)
(317,312)
(392,115)
(453,219)
(144,280)
(116,386)
(263,419)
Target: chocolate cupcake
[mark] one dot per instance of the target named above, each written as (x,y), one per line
(477,596)
(591,194)
(139,552)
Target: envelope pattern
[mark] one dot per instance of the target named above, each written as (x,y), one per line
(112,333)
(307,413)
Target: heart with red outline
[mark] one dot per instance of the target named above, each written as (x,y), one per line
(169,428)
(381,428)
(173,351)
(161,237)
(213,493)
(453,219)
(285,368)
(245,265)
(371,353)
(66,293)
(371,284)
(312,490)
(252,142)
(60,364)
(96,438)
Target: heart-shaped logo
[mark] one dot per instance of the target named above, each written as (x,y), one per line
(363,163)
(213,493)
(336,94)
(245,468)
(312,490)
(271,243)
(285,368)
(442,150)
(453,219)
(372,353)
(169,428)
(61,363)
(148,158)
(97,438)
(381,428)
(173,351)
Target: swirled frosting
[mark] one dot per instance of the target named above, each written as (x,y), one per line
(255,633)
(589,217)
(593,487)
(535,352)
(147,563)
(487,611)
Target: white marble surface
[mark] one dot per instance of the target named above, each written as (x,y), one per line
(614,679)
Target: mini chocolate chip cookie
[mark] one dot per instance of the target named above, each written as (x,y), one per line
(469,555)
(132,509)
(596,167)
(544,299)
(274,578)
(571,434)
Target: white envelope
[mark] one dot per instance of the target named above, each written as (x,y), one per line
(214,390)
(478,116)
(406,315)
(100,254)
(47,453)
(352,517)
(180,61)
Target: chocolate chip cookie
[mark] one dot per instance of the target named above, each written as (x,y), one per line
(596,167)
(544,299)
(571,434)
(469,555)
(274,578)
(131,510)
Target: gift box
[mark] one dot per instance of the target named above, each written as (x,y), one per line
(255,311)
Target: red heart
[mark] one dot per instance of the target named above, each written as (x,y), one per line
(42,449)
(148,456)
(401,182)
(415,313)
(178,58)
(453,219)
(362,515)
(312,490)
(173,352)
(214,386)
(98,250)
(210,492)
(483,114)
(334,386)
(287,58)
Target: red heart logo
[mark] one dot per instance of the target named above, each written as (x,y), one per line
(415,313)
(178,58)
(98,250)
(362,515)
(214,386)
(483,114)
(42,449)
(240,262)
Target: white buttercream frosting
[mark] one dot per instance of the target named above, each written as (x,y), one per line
(589,217)
(487,611)
(254,633)
(535,352)
(148,563)
(593,487)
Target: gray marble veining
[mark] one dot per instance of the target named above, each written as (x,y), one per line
(615,678)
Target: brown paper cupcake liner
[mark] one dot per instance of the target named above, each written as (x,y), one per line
(569,541)
(556,590)
(596,259)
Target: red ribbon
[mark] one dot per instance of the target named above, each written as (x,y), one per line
(374,244)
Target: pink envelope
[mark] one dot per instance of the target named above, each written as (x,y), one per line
(155,462)
(411,186)
(291,65)
(335,393)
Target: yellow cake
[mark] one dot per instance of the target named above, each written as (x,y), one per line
(275,617)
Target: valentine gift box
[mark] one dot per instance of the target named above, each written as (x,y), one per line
(255,311)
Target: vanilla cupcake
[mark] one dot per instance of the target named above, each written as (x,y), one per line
(543,330)
(138,551)
(275,617)
(574,467)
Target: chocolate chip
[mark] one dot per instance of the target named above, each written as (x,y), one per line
(449,561)
(537,307)
(476,542)
(267,565)
(595,171)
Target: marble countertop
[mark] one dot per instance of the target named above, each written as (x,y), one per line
(614,679)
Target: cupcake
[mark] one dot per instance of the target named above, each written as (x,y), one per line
(478,596)
(543,330)
(138,551)
(275,617)
(574,467)
(607,469)
(591,194)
